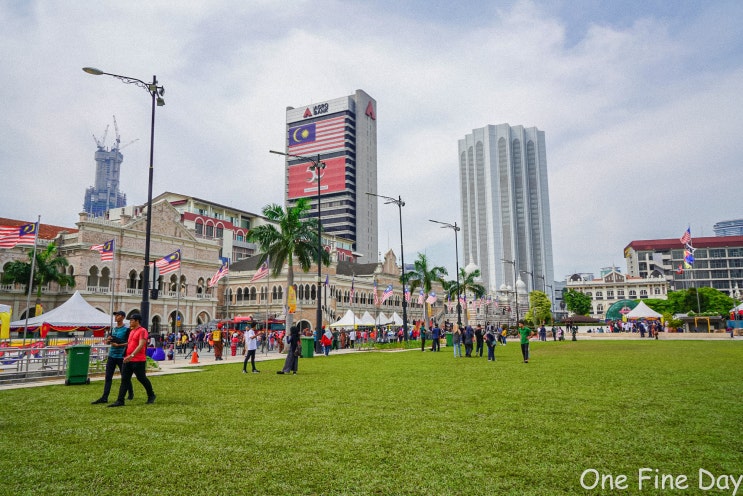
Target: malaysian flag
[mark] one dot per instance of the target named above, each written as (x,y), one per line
(376,294)
(106,250)
(350,295)
(431,298)
(407,294)
(24,235)
(421,297)
(463,300)
(387,293)
(320,136)
(686,238)
(223,271)
(169,263)
(261,272)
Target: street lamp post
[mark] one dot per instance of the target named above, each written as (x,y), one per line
(455,228)
(532,277)
(515,290)
(156,92)
(400,203)
(317,166)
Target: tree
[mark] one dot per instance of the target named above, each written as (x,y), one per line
(422,276)
(467,284)
(710,300)
(49,267)
(540,308)
(296,238)
(577,302)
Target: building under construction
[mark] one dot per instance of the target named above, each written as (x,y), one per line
(105,194)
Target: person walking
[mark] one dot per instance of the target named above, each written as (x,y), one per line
(456,339)
(423,337)
(326,341)
(525,334)
(217,337)
(490,341)
(135,362)
(479,337)
(117,340)
(435,335)
(469,337)
(251,344)
(292,356)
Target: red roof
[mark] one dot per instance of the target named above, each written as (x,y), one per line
(676,244)
(46,231)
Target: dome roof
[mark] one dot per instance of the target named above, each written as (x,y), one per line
(505,287)
(520,286)
(471,267)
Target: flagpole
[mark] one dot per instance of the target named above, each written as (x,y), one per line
(178,302)
(113,289)
(268,286)
(31,283)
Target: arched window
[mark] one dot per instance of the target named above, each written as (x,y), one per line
(199,228)
(252,294)
(105,280)
(239,294)
(92,278)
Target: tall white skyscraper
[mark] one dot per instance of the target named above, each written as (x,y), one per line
(505,206)
(342,133)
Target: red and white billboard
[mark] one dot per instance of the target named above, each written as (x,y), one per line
(303,179)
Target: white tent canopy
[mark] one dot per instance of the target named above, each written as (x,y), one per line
(348,320)
(367,319)
(75,312)
(382,319)
(396,319)
(642,311)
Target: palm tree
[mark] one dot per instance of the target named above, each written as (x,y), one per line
(295,238)
(422,276)
(467,284)
(49,267)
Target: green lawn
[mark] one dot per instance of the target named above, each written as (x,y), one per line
(393,423)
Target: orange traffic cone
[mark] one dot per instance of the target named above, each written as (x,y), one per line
(194,356)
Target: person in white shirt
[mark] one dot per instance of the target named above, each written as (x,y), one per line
(251,344)
(352,337)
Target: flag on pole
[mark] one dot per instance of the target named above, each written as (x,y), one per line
(463,300)
(421,297)
(686,237)
(407,294)
(261,272)
(680,269)
(351,294)
(387,293)
(376,294)
(327,280)
(169,263)
(223,271)
(688,257)
(24,235)
(431,298)
(106,250)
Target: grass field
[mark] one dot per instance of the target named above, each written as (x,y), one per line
(395,423)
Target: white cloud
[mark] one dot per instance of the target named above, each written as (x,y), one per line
(641,115)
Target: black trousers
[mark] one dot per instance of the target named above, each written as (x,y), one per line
(478,350)
(249,356)
(111,365)
(138,369)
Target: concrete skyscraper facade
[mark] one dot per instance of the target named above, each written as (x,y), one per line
(505,206)
(342,133)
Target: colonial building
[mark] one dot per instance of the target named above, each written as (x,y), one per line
(614,286)
(266,298)
(118,283)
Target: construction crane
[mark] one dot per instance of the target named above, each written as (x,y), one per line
(118,136)
(131,142)
(101,143)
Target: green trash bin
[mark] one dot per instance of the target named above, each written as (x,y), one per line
(449,340)
(78,361)
(308,346)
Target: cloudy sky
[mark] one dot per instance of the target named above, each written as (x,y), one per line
(640,101)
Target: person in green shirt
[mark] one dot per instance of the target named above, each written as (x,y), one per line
(525,333)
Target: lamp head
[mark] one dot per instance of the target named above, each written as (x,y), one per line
(93,71)
(160,101)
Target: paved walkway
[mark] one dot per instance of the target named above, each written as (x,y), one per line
(179,365)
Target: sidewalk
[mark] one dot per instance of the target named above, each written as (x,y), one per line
(178,366)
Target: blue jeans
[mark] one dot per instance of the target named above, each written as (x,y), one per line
(491,352)
(458,350)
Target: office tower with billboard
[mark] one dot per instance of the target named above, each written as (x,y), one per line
(342,134)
